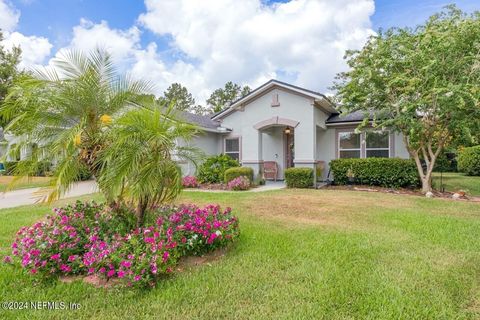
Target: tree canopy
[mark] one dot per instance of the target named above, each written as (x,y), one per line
(422,82)
(223,97)
(178,96)
(9,60)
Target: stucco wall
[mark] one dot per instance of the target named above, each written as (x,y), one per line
(292,106)
(208,142)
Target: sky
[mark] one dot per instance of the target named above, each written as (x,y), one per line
(203,44)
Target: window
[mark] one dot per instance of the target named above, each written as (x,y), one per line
(232,148)
(377,144)
(349,145)
(369,144)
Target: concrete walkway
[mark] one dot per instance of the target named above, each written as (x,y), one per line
(31,196)
(270,185)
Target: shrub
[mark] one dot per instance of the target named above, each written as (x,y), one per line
(236,172)
(84,173)
(385,172)
(213,169)
(299,177)
(446,162)
(87,239)
(239,183)
(10,167)
(200,230)
(189,182)
(469,161)
(56,246)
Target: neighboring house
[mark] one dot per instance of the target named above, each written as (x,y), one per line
(289,125)
(292,126)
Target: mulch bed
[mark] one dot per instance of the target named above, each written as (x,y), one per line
(412,192)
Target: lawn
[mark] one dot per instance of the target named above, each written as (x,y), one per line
(323,254)
(33,182)
(453,181)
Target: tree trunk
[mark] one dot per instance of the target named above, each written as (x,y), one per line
(140,212)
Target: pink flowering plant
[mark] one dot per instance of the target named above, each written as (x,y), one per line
(200,230)
(88,239)
(190,182)
(239,183)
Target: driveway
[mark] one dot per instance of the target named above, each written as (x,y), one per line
(30,196)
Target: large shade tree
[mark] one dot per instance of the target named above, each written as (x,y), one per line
(66,112)
(422,82)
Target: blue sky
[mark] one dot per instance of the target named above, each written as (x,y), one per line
(55,19)
(203,44)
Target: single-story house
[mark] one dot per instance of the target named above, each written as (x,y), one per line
(291,126)
(285,124)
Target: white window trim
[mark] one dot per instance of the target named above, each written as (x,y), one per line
(359,149)
(380,149)
(363,144)
(239,152)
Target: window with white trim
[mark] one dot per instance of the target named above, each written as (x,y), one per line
(377,144)
(349,145)
(369,144)
(232,148)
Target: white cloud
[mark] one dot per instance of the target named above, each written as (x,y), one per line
(121,43)
(8,16)
(248,42)
(34,49)
(301,41)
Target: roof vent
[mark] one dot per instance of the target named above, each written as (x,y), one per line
(275,102)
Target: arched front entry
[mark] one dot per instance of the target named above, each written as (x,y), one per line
(277,143)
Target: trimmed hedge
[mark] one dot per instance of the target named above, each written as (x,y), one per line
(384,172)
(469,161)
(299,177)
(41,169)
(236,172)
(213,169)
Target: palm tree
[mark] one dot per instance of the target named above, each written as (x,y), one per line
(66,110)
(141,163)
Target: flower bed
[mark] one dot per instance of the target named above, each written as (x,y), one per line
(239,183)
(86,239)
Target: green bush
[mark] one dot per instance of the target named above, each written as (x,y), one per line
(213,169)
(84,174)
(10,167)
(469,161)
(299,177)
(385,172)
(446,162)
(236,172)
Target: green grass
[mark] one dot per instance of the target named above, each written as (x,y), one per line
(302,254)
(34,182)
(453,181)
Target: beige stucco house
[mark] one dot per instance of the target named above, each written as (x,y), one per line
(292,126)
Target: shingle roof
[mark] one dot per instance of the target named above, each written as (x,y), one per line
(356,116)
(202,121)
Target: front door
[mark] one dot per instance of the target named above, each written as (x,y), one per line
(289,147)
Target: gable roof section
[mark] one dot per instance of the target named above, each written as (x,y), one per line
(266,87)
